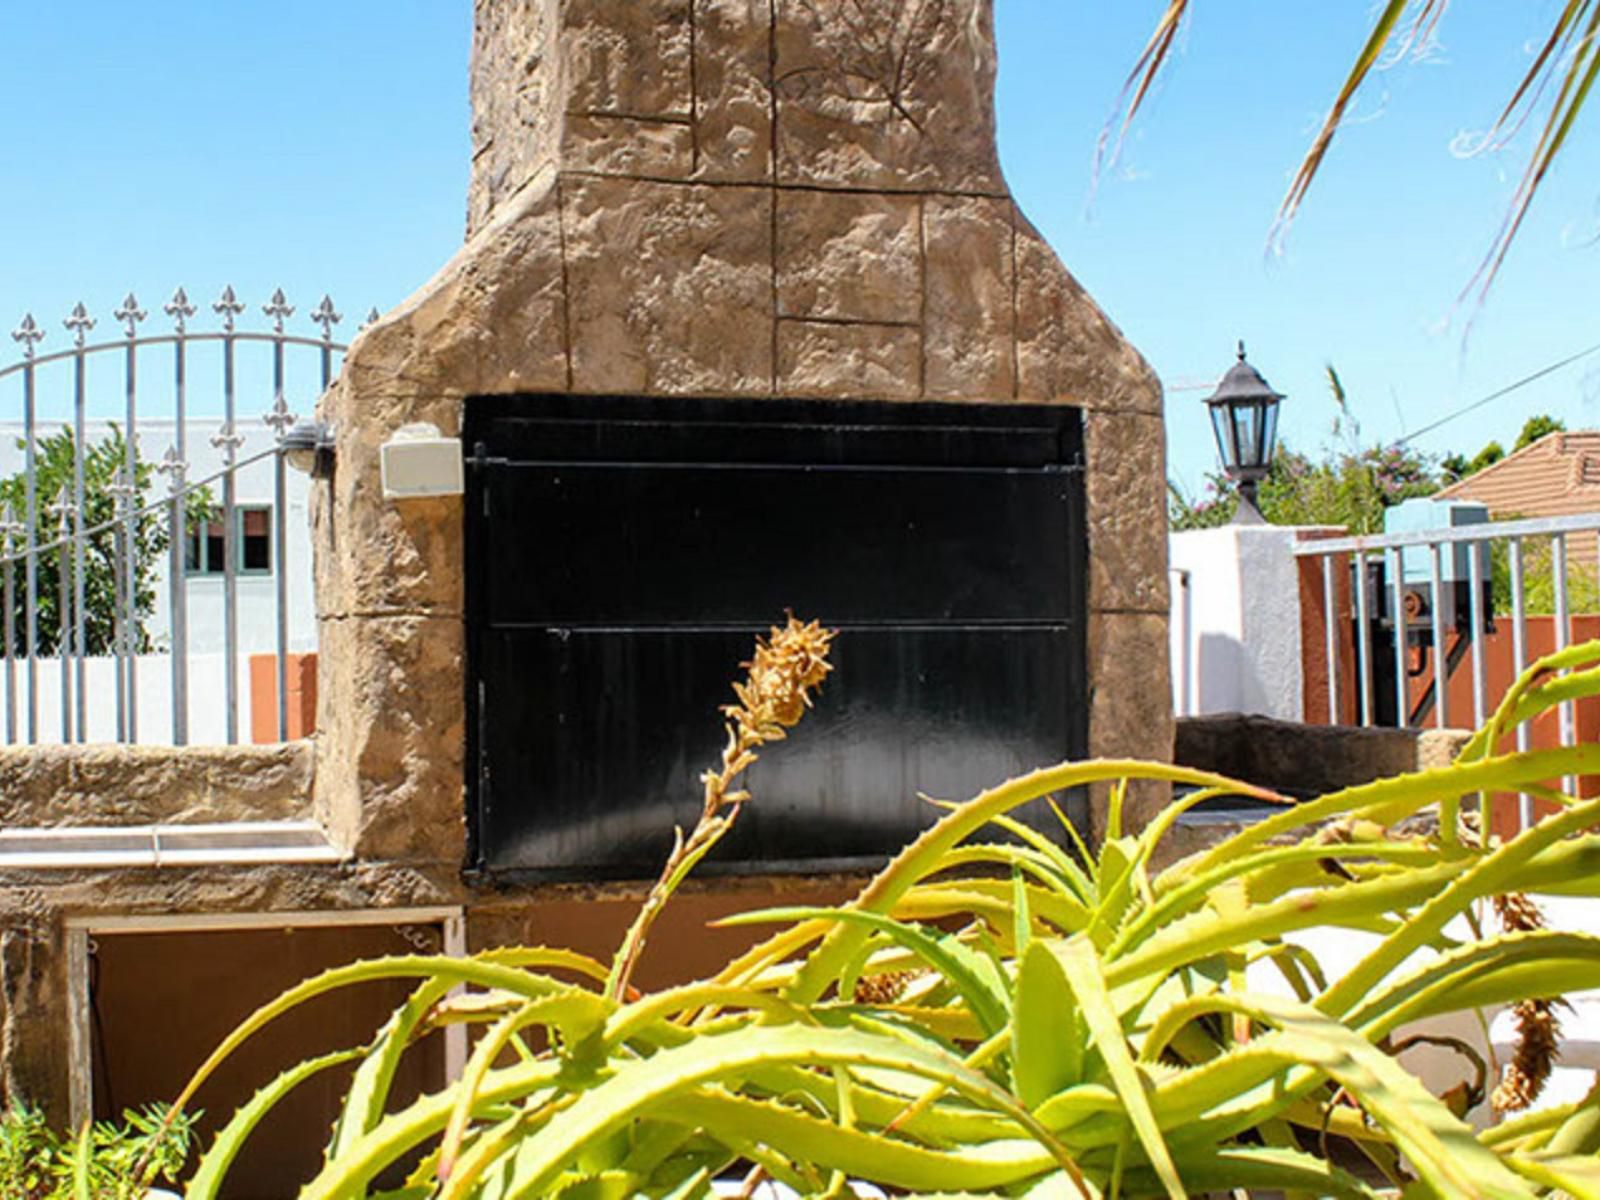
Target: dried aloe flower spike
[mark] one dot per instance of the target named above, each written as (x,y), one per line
(1538,1030)
(788,665)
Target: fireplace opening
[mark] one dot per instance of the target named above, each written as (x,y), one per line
(623,552)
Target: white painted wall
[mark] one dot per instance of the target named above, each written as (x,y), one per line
(207,684)
(256,597)
(1236,621)
(1439,1068)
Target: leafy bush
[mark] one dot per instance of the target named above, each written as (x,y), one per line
(105,1161)
(999,1013)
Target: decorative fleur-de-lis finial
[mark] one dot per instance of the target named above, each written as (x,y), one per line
(63,509)
(130,314)
(124,488)
(179,309)
(27,333)
(278,308)
(80,322)
(173,466)
(372,316)
(226,440)
(280,419)
(229,306)
(325,316)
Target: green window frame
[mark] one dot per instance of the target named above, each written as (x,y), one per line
(204,541)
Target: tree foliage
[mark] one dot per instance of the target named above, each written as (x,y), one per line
(1563,63)
(103,466)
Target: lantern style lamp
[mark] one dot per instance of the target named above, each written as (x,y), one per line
(1244,416)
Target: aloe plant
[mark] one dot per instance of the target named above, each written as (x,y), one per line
(1003,1012)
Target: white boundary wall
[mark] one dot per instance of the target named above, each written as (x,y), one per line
(153,673)
(1236,621)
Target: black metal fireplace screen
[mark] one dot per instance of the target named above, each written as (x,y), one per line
(623,552)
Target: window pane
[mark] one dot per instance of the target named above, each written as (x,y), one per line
(215,556)
(255,550)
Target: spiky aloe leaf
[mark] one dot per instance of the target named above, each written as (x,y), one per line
(495,969)
(1576,1176)
(368,1095)
(664,1082)
(1088,985)
(1046,1034)
(970,973)
(922,856)
(1259,1169)
(1442,1149)
(213,1168)
(865,1155)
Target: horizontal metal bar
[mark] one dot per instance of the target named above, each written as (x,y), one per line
(166,339)
(1532,527)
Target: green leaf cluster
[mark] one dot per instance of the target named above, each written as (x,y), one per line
(1004,1012)
(107,1160)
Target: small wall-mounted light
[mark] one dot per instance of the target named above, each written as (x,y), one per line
(420,461)
(308,447)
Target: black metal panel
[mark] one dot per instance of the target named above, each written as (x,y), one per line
(623,553)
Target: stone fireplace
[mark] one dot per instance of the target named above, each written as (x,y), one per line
(780,203)
(750,199)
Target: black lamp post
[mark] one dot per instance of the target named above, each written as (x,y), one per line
(1244,416)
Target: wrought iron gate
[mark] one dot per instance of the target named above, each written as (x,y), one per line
(65,400)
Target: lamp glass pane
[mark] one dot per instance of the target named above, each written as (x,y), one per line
(1269,430)
(1222,427)
(1246,420)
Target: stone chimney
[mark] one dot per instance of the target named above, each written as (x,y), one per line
(735,198)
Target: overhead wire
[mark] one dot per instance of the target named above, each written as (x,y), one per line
(1495,395)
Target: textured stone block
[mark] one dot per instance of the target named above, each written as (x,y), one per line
(611,145)
(393,704)
(733,96)
(516,102)
(887,94)
(492,319)
(849,362)
(1130,701)
(376,555)
(1067,351)
(1126,460)
(669,287)
(629,59)
(149,785)
(967,320)
(849,256)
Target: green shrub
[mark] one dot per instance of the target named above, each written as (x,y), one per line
(1000,1013)
(105,1161)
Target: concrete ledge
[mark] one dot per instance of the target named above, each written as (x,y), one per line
(44,787)
(237,843)
(1302,760)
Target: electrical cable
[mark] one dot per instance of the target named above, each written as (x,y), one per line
(1509,388)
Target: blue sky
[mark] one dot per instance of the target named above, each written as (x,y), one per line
(324,147)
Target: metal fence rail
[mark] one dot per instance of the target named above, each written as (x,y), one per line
(1432,595)
(97,531)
